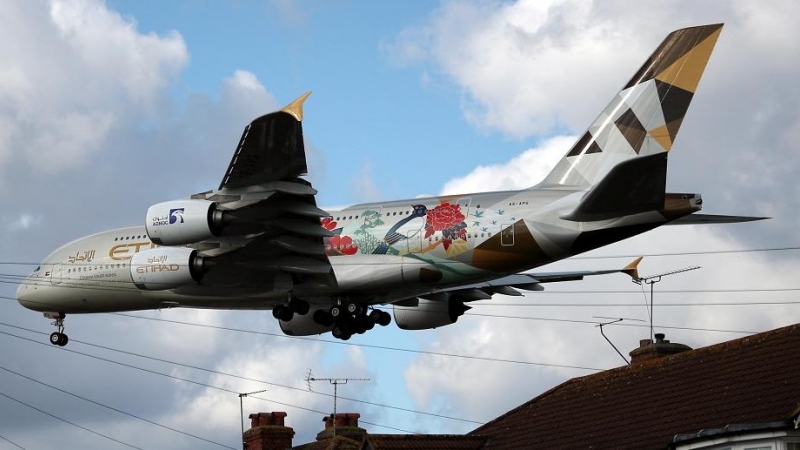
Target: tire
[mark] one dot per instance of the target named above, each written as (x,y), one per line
(63,340)
(299,306)
(338,332)
(282,312)
(353,308)
(375,316)
(386,319)
(55,338)
(336,312)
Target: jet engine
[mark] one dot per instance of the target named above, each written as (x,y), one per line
(428,314)
(162,268)
(306,324)
(182,222)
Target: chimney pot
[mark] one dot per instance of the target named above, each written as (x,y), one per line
(649,351)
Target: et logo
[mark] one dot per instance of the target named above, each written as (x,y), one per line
(176,216)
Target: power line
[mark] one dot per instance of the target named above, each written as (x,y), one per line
(113,409)
(606,305)
(217,372)
(12,442)
(650,255)
(68,422)
(615,324)
(706,252)
(198,383)
(379,347)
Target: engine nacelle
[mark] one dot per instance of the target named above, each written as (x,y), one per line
(429,314)
(304,325)
(183,222)
(162,268)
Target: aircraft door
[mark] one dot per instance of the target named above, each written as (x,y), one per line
(507,235)
(464,204)
(56,274)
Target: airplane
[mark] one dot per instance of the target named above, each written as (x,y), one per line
(259,240)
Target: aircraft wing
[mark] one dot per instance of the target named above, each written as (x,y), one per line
(511,284)
(694,219)
(277,222)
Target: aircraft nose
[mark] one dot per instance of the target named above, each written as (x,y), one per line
(25,294)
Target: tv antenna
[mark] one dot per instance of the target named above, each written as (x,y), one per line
(613,321)
(652,280)
(241,410)
(335,382)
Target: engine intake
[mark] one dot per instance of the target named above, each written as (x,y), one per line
(429,314)
(165,268)
(182,222)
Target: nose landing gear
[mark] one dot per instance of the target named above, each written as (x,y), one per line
(58,338)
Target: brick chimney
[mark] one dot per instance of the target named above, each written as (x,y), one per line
(649,351)
(346,426)
(267,432)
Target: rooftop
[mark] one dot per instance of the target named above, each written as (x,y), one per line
(643,406)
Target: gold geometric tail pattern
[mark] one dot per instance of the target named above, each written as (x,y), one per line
(645,116)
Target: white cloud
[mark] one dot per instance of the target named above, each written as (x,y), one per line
(522,171)
(81,69)
(22,222)
(363,185)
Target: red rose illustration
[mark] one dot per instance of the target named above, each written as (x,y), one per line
(442,217)
(343,245)
(328,223)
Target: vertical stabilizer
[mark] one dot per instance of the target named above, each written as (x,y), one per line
(644,117)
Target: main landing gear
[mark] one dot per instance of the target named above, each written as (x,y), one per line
(348,318)
(292,307)
(58,338)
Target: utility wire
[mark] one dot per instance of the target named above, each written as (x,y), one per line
(706,252)
(338,342)
(68,422)
(198,383)
(217,372)
(12,442)
(113,409)
(651,255)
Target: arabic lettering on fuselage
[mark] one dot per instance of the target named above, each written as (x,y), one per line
(82,257)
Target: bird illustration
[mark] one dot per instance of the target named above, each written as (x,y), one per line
(392,236)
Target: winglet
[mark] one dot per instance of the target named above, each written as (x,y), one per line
(632,268)
(296,107)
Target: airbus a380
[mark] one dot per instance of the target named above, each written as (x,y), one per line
(259,241)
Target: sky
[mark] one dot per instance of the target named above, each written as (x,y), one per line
(109,107)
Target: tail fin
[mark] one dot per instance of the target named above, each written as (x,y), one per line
(644,117)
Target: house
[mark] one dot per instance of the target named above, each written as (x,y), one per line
(742,394)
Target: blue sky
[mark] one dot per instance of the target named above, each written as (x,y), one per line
(375,110)
(109,107)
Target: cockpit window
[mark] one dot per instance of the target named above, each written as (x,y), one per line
(37,268)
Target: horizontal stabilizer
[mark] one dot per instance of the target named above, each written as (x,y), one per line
(694,219)
(633,186)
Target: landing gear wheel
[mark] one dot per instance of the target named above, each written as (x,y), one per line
(385,319)
(282,312)
(299,306)
(340,332)
(336,312)
(59,339)
(353,308)
(375,316)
